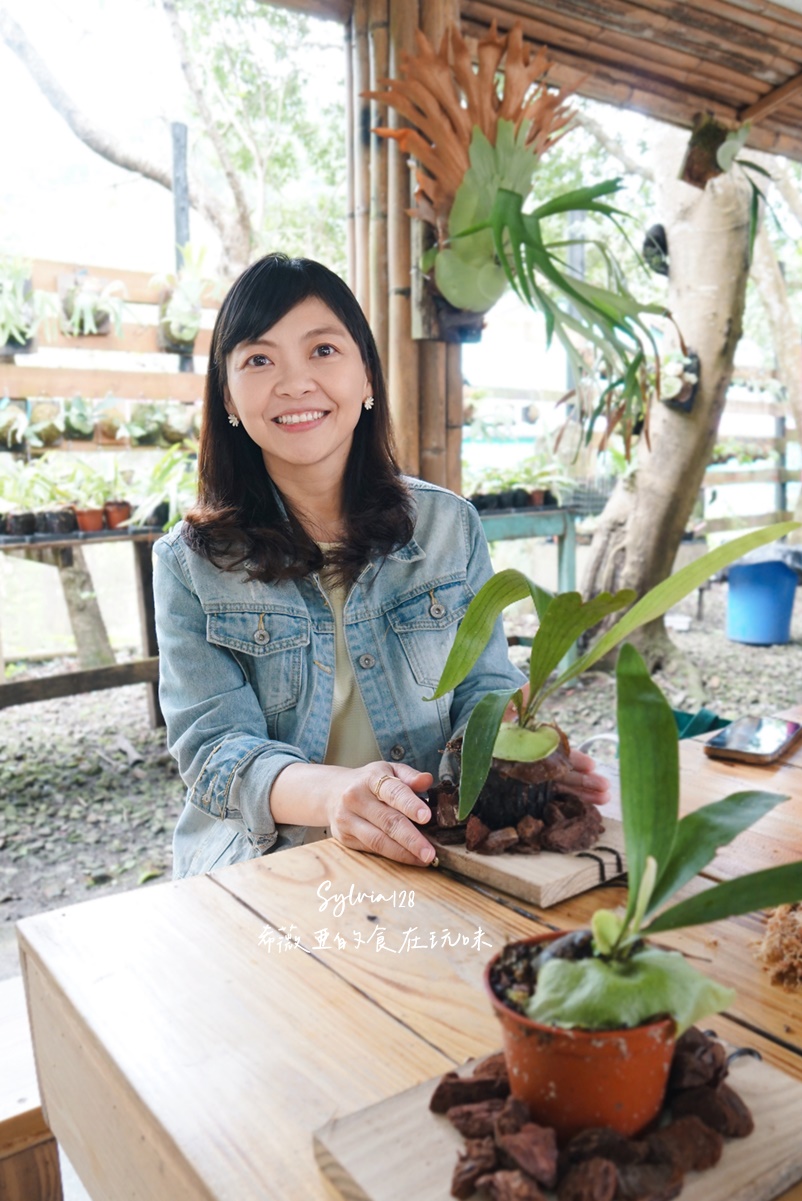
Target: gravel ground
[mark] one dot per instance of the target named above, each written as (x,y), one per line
(89,796)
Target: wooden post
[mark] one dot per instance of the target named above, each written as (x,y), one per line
(361,144)
(377,229)
(437,360)
(402,358)
(143,558)
(181,210)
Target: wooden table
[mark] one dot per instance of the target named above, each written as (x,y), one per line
(69,683)
(191,1037)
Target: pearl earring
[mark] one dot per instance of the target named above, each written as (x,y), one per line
(368,403)
(233,419)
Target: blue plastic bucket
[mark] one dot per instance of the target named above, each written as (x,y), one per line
(760,603)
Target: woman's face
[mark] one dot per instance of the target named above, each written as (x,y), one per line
(298,391)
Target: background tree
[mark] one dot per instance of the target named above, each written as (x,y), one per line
(267,160)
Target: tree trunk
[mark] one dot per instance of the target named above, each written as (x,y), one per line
(641,528)
(773,294)
(88,627)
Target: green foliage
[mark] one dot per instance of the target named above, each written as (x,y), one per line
(172,481)
(22,308)
(88,303)
(627,981)
(563,619)
(185,291)
(253,62)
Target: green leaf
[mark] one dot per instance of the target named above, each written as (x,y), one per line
(477,746)
(516,743)
(567,617)
(732,145)
(606,928)
(669,592)
(476,627)
(759,890)
(649,765)
(599,994)
(701,834)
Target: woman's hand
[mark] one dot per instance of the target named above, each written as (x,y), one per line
(584,781)
(374,808)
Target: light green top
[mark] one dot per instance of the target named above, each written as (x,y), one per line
(352,742)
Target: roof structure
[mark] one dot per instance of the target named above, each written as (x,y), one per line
(739,59)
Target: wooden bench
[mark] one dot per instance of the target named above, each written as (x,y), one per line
(29,1165)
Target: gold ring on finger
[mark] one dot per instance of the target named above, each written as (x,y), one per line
(377,790)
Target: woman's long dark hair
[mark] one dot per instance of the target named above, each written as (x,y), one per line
(239,516)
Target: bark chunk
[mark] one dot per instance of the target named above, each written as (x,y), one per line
(477,1159)
(720,1108)
(475,833)
(594,1179)
(648,1182)
(512,1117)
(688,1144)
(476,1120)
(464,1090)
(534,1150)
(510,1186)
(697,1060)
(499,841)
(602,1141)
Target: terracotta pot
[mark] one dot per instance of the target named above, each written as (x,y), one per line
(116,512)
(573,1079)
(89,520)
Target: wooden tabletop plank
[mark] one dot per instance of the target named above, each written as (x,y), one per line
(425,987)
(178,1059)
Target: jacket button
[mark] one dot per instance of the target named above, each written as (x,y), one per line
(437,610)
(261,636)
(367,661)
(397,752)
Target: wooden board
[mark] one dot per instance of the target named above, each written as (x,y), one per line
(397,1149)
(545,879)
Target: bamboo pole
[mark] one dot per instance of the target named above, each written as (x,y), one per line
(454,417)
(378,283)
(361,144)
(403,356)
(433,412)
(350,155)
(434,356)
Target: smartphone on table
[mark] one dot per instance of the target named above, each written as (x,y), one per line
(754,739)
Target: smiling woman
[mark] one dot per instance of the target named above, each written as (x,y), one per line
(307,606)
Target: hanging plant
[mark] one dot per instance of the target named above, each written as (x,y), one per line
(181,300)
(90,306)
(22,307)
(477,149)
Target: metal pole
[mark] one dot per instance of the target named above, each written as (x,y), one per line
(181,209)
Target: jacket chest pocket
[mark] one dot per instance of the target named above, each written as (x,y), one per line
(426,626)
(269,647)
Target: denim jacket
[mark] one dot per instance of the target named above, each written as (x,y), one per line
(247,671)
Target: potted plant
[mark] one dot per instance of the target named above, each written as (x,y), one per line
(144,428)
(168,491)
(50,497)
(478,149)
(22,308)
(181,301)
(13,423)
(79,419)
(90,490)
(45,424)
(509,766)
(16,501)
(589,1020)
(90,306)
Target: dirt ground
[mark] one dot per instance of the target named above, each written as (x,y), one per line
(89,795)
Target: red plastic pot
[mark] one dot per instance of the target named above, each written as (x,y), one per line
(89,520)
(573,1079)
(116,512)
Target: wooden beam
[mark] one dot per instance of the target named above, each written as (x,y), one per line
(18,382)
(69,683)
(139,285)
(774,99)
(329,10)
(138,339)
